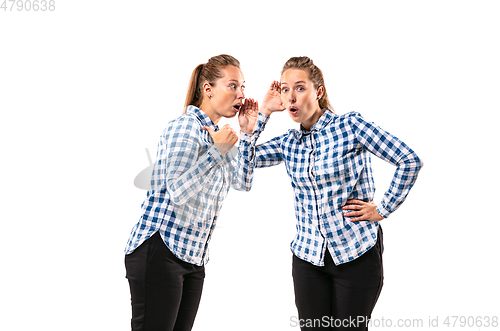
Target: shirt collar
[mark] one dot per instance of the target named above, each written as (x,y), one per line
(320,124)
(204,119)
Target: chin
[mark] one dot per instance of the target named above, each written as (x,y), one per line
(230,114)
(296,119)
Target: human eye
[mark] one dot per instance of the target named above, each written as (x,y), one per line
(243,87)
(284,89)
(233,86)
(300,88)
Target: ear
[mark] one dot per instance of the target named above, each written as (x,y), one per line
(320,92)
(207,89)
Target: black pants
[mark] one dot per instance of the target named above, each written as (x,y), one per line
(165,291)
(338,297)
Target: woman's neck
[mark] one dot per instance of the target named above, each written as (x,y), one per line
(210,112)
(309,123)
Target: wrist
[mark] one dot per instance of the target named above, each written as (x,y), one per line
(266,111)
(222,148)
(382,212)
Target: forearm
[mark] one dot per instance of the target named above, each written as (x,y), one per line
(261,125)
(242,166)
(250,157)
(403,180)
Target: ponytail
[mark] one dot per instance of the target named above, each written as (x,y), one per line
(210,72)
(193,96)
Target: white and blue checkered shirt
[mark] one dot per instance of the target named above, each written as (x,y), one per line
(190,181)
(330,164)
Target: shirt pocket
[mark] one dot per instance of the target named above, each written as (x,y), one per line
(340,169)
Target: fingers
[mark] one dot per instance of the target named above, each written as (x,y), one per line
(275,86)
(254,105)
(361,211)
(357,202)
(224,139)
(228,139)
(354,205)
(209,129)
(248,110)
(234,138)
(250,104)
(247,116)
(357,215)
(226,134)
(247,104)
(229,135)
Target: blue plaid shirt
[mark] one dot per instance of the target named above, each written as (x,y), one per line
(330,164)
(190,181)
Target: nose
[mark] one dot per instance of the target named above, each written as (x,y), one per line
(291,97)
(241,94)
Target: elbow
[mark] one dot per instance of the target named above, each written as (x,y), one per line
(245,186)
(419,163)
(414,162)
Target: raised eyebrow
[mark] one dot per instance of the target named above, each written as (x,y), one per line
(237,81)
(297,82)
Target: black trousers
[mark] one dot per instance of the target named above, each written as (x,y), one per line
(338,297)
(165,291)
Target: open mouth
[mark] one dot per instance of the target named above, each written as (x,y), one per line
(237,108)
(293,110)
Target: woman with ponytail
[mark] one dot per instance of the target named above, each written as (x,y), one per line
(194,168)
(337,252)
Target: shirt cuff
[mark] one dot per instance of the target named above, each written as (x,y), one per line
(261,122)
(246,137)
(382,211)
(247,146)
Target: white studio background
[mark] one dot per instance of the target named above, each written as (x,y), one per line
(85,88)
